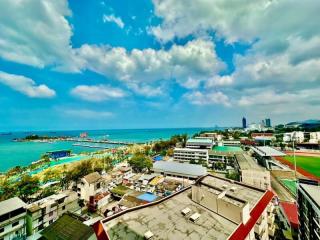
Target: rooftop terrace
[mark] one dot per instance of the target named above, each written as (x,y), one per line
(166,221)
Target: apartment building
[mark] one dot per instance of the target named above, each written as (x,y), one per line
(42,213)
(12,219)
(212,208)
(199,143)
(90,185)
(314,137)
(308,210)
(296,136)
(188,154)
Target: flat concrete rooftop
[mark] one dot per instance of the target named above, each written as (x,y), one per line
(234,190)
(247,162)
(166,221)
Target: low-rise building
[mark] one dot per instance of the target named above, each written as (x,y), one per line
(42,213)
(314,137)
(308,210)
(288,219)
(12,219)
(68,226)
(212,208)
(251,173)
(199,143)
(90,185)
(188,154)
(297,136)
(176,169)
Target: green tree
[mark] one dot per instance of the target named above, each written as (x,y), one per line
(27,186)
(140,161)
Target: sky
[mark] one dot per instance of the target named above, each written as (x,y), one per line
(105,64)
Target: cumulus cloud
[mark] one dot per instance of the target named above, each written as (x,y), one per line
(36,33)
(88,113)
(207,98)
(195,60)
(112,18)
(26,86)
(97,93)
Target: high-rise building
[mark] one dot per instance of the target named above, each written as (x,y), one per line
(268,122)
(309,210)
(244,122)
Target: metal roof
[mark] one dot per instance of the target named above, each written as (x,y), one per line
(266,151)
(180,168)
(10,205)
(199,140)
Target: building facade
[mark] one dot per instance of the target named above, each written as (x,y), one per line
(244,122)
(90,185)
(199,143)
(42,213)
(308,210)
(188,154)
(12,219)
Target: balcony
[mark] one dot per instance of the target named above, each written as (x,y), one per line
(271,218)
(272,230)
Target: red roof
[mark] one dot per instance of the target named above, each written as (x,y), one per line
(291,211)
(262,134)
(243,230)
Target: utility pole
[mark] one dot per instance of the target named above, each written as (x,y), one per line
(294,156)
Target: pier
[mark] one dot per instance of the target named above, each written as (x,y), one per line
(106,141)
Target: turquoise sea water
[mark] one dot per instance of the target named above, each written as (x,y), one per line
(23,153)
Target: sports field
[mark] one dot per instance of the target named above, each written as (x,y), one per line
(307,163)
(290,185)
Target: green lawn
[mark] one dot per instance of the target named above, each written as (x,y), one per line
(290,185)
(310,164)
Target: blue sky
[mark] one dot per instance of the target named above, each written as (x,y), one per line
(142,64)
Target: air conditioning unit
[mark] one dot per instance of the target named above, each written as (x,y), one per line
(185,211)
(148,235)
(194,217)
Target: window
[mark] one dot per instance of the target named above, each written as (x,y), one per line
(63,207)
(15,224)
(51,221)
(50,214)
(1,230)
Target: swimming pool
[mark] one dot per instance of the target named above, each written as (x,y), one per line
(149,197)
(227,149)
(158,158)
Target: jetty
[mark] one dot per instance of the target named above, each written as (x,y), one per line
(102,141)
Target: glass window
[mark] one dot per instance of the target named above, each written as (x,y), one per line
(15,224)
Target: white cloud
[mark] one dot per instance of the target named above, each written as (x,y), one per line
(97,93)
(208,98)
(36,33)
(195,60)
(26,86)
(112,18)
(88,113)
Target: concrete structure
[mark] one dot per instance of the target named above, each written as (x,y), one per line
(231,143)
(314,137)
(212,208)
(199,143)
(42,213)
(176,169)
(309,210)
(265,155)
(90,185)
(219,158)
(210,135)
(12,219)
(251,173)
(288,217)
(296,136)
(263,137)
(187,154)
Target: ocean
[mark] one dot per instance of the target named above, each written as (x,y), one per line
(23,153)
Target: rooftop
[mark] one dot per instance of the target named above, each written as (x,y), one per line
(247,162)
(199,140)
(191,149)
(67,227)
(166,221)
(291,211)
(235,190)
(312,191)
(267,151)
(10,205)
(180,168)
(92,177)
